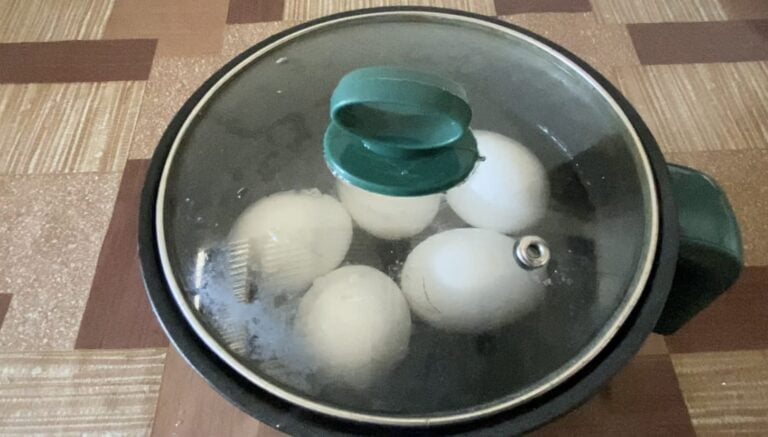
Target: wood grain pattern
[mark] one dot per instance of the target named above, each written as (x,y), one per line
(254,11)
(743,9)
(642,400)
(171,83)
(701,107)
(688,43)
(603,46)
(655,344)
(657,11)
(174,79)
(661,11)
(743,174)
(67,128)
(117,314)
(505,7)
(737,320)
(79,392)
(45,20)
(709,116)
(76,61)
(726,392)
(305,10)
(52,227)
(5,302)
(243,36)
(182,27)
(187,406)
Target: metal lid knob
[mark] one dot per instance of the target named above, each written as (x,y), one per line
(532,252)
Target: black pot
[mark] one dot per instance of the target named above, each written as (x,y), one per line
(697,236)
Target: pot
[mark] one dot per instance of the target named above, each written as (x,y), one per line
(478,234)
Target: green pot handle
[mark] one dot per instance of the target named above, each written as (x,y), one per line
(400,132)
(710,257)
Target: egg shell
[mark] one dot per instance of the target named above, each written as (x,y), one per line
(468,280)
(508,190)
(388,217)
(356,324)
(293,237)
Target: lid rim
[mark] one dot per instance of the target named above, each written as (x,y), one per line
(168,137)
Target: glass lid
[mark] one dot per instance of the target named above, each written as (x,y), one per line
(429,306)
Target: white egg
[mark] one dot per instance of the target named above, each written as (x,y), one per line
(356,324)
(389,217)
(468,280)
(507,192)
(292,238)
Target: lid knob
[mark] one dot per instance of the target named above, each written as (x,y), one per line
(399,132)
(532,252)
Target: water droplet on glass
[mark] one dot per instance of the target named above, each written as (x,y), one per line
(240,192)
(404,172)
(187,199)
(282,60)
(279,91)
(199,220)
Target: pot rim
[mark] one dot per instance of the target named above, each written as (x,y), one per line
(159,291)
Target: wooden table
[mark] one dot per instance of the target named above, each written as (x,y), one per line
(88,86)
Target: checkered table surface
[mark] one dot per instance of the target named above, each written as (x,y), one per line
(88,86)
